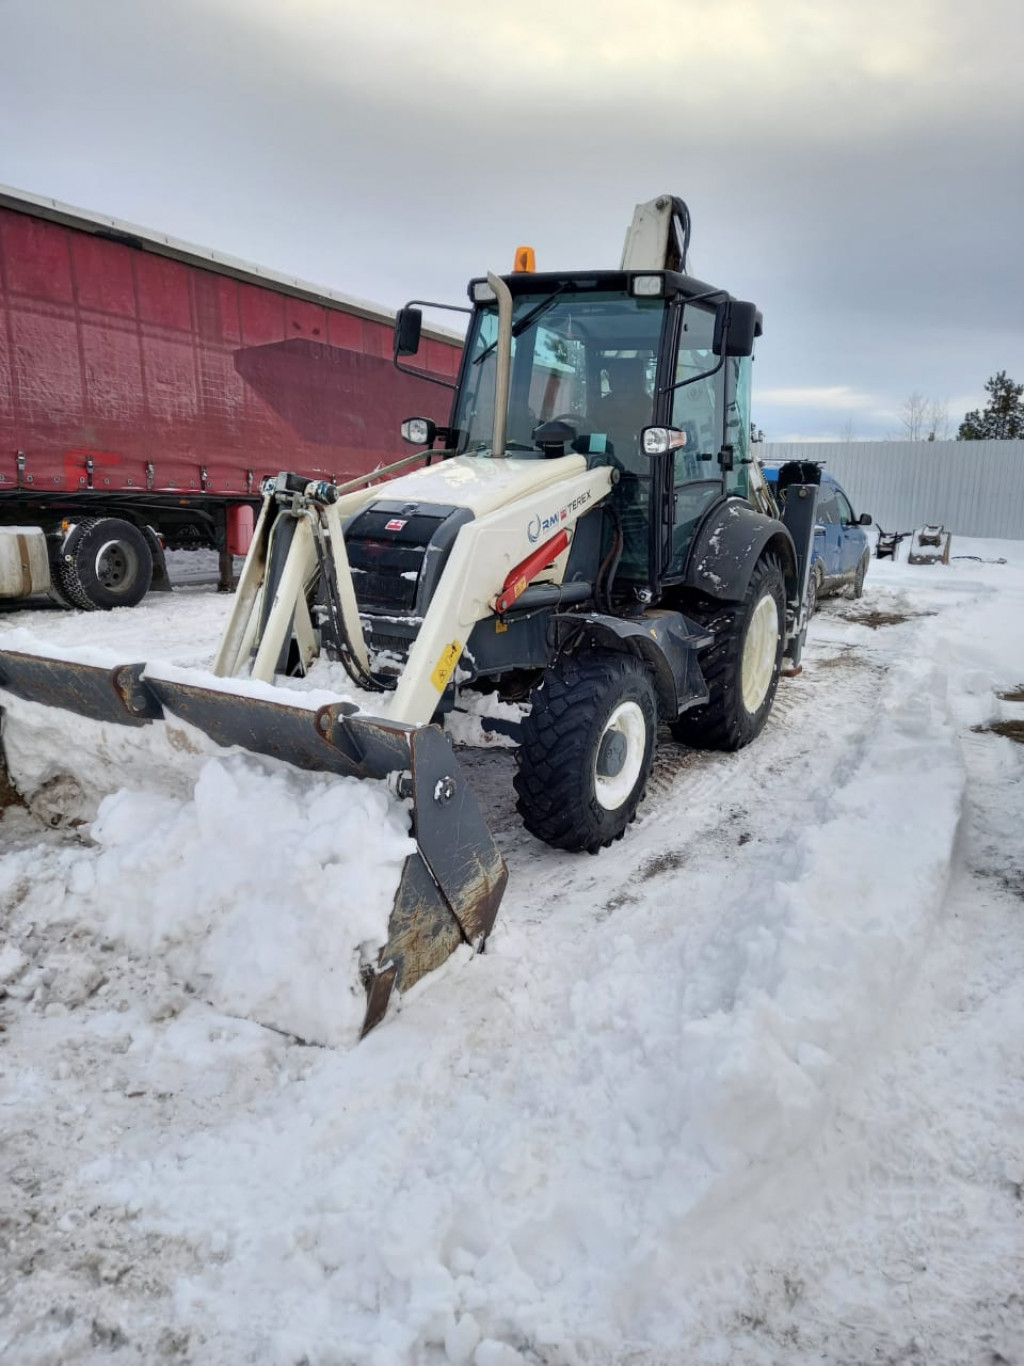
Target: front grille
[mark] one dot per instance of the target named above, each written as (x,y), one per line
(385,575)
(387,544)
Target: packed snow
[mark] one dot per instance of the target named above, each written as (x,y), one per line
(748,1087)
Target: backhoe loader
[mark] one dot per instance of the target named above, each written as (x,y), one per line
(589,536)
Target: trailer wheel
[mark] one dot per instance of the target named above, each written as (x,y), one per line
(106,562)
(587,749)
(741,668)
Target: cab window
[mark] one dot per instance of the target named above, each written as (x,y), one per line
(697,402)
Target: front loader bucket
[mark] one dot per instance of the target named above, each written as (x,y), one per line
(450,887)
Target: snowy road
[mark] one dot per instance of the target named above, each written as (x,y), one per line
(748,1087)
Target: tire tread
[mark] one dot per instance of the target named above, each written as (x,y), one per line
(557,738)
(722,723)
(67,575)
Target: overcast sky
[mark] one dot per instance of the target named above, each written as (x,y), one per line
(854,166)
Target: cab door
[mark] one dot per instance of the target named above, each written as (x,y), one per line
(698,404)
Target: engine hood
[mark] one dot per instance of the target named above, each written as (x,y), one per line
(481,483)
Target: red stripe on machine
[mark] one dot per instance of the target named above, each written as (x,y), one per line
(519,578)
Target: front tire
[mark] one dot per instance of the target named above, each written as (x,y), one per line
(587,750)
(741,669)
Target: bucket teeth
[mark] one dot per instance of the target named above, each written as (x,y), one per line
(451,886)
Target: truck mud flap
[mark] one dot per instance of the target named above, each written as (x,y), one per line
(451,886)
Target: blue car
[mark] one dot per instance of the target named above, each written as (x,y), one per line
(841,547)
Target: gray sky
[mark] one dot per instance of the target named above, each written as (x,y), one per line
(854,166)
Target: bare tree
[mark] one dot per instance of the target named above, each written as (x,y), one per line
(922,419)
(938,425)
(913,417)
(846,434)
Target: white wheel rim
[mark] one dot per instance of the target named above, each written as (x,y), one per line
(115,566)
(759,653)
(628,721)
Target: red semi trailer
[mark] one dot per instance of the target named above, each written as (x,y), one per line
(147,386)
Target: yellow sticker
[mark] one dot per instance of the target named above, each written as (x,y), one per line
(445,666)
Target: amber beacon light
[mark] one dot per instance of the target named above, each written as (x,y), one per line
(526,260)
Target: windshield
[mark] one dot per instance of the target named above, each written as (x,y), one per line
(585,358)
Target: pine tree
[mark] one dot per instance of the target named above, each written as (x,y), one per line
(1002,418)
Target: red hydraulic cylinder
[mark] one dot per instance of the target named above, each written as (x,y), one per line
(519,578)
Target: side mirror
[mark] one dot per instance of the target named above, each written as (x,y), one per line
(736,325)
(419,431)
(408,324)
(864,519)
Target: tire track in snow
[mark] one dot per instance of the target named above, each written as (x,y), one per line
(693,796)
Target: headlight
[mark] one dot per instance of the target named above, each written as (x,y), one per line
(659,440)
(483,293)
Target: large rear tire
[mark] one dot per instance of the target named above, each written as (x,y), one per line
(587,749)
(741,669)
(106,562)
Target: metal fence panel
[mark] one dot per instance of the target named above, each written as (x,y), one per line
(973,488)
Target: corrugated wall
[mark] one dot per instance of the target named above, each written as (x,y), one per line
(974,488)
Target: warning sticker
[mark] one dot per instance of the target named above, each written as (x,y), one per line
(445,666)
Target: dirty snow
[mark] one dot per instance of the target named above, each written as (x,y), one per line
(748,1087)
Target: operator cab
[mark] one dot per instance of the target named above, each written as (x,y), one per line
(644,370)
(597,359)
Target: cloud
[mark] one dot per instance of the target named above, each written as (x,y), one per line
(852,166)
(833,396)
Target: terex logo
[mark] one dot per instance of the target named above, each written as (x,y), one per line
(553,520)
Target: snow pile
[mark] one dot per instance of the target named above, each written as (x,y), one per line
(467,724)
(65,765)
(835,946)
(263,888)
(265,891)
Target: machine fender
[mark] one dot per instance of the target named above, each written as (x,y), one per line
(729,544)
(666,641)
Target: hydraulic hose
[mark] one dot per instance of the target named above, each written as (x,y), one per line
(361,677)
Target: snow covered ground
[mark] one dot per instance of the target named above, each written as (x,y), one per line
(748,1087)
